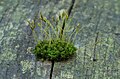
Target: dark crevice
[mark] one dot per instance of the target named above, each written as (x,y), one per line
(69,12)
(94,51)
(97,33)
(71,7)
(61,33)
(51,69)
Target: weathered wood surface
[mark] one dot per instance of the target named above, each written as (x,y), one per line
(98,56)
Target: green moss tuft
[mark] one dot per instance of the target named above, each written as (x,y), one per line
(59,46)
(54,50)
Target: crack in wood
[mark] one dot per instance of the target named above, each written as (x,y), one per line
(69,12)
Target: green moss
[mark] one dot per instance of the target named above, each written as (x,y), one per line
(56,50)
(59,46)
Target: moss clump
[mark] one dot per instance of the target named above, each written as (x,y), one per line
(54,50)
(59,46)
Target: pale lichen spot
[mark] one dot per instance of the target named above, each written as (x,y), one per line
(7,55)
(26,65)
